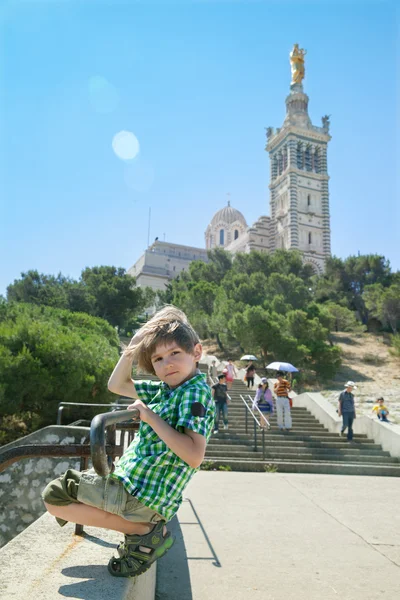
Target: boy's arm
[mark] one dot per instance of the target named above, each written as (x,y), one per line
(121,381)
(189,446)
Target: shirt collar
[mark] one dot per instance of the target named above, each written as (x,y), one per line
(198,377)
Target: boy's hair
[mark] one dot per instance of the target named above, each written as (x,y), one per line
(168,325)
(221,376)
(279,374)
(379,399)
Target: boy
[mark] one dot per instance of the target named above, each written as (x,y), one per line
(220,395)
(145,489)
(381,410)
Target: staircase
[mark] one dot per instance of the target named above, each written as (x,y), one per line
(307,448)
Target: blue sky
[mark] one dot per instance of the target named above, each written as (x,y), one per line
(196,82)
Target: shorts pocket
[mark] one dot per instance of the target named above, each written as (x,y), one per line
(101,492)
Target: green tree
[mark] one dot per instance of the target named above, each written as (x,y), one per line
(50,355)
(384,304)
(37,288)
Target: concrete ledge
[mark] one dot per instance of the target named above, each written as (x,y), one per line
(385,434)
(46,561)
(321,409)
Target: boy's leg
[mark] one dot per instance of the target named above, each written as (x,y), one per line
(225,414)
(95,517)
(217,409)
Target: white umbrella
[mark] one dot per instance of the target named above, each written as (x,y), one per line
(249,357)
(282,366)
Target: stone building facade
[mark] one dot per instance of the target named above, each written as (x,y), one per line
(163,261)
(299,199)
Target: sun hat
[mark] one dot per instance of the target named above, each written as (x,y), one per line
(350,384)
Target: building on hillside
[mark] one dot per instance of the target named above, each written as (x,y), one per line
(299,199)
(163,261)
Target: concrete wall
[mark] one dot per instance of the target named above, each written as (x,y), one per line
(47,562)
(385,434)
(21,484)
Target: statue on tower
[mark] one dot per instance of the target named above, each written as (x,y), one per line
(297,64)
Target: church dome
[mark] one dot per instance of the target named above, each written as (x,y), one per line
(228,215)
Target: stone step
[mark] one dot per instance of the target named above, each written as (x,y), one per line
(355,449)
(302,456)
(323,467)
(290,436)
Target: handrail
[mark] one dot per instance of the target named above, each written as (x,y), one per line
(8,456)
(261,414)
(250,411)
(103,464)
(97,405)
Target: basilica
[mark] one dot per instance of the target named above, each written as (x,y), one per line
(299,199)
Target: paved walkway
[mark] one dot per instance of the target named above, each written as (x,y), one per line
(245,536)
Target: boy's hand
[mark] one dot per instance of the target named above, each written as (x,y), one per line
(144,411)
(137,338)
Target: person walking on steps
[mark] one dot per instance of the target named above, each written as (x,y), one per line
(220,395)
(250,372)
(347,409)
(231,373)
(145,489)
(283,416)
(263,400)
(212,371)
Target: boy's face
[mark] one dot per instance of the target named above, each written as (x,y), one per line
(222,380)
(174,365)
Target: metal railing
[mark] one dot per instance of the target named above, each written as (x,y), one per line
(256,407)
(248,410)
(102,449)
(66,405)
(102,461)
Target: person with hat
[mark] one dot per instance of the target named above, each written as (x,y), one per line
(263,400)
(347,409)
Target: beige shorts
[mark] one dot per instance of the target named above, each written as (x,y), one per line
(106,493)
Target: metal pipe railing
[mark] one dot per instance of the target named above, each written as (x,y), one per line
(260,412)
(103,464)
(63,405)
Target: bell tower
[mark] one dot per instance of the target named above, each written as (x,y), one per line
(299,193)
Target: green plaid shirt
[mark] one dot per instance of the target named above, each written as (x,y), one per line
(149,469)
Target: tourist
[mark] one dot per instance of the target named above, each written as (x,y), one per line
(347,409)
(263,400)
(220,395)
(145,489)
(381,410)
(231,373)
(250,372)
(283,416)
(212,371)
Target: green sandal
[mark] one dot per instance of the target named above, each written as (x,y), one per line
(132,561)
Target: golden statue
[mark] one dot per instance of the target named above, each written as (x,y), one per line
(297,64)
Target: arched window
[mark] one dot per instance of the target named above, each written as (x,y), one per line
(299,156)
(236,235)
(221,237)
(307,159)
(308,199)
(316,161)
(309,237)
